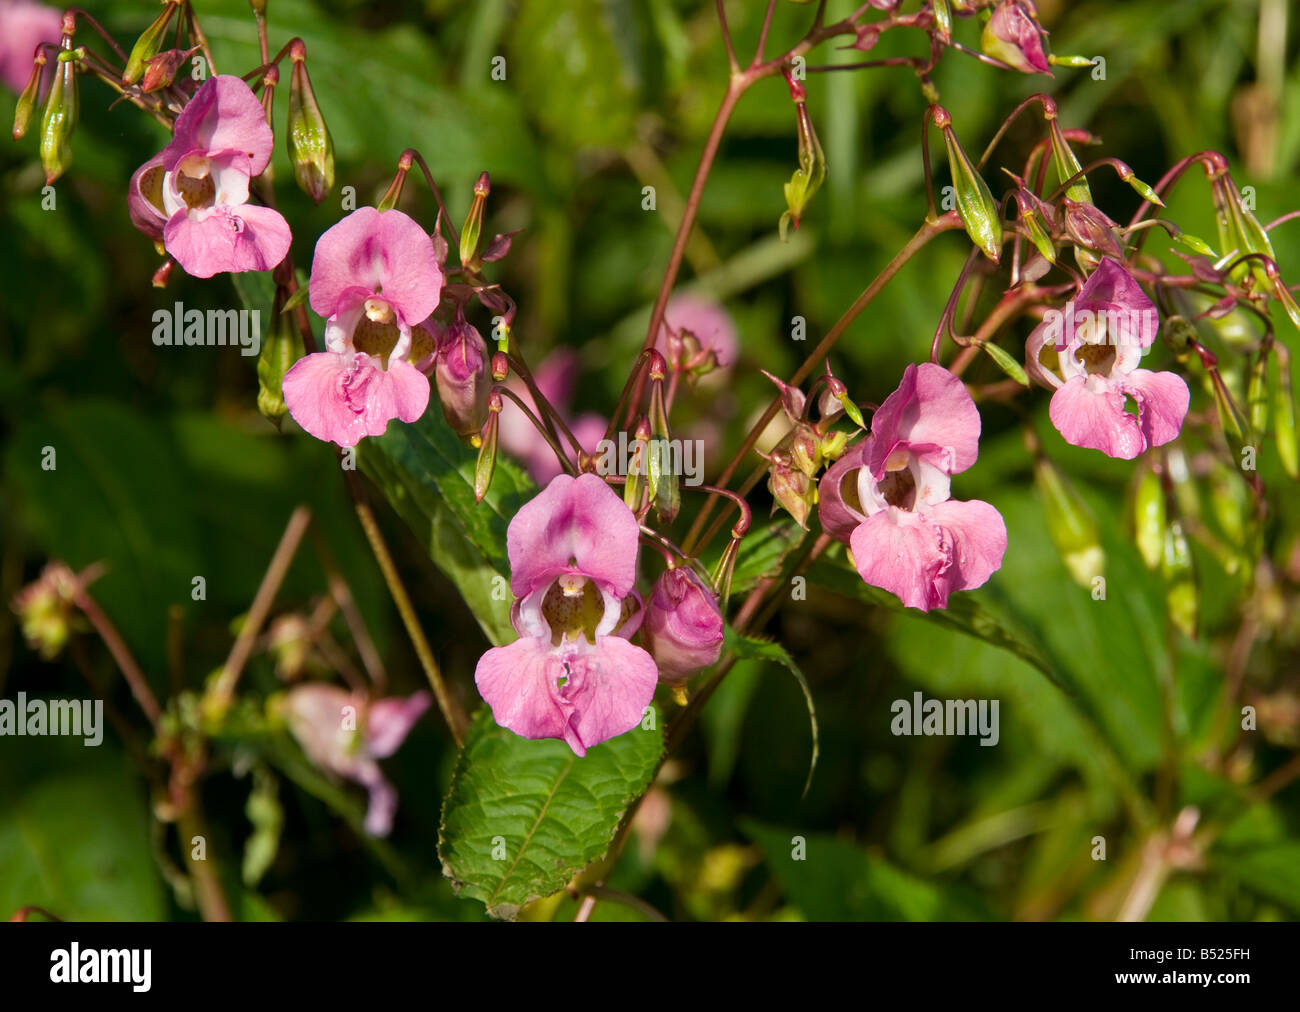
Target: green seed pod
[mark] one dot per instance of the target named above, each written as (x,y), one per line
(1181,596)
(975,203)
(60,117)
(1070,523)
(1067,163)
(27,100)
(310,148)
(1284,429)
(148,45)
(1149,518)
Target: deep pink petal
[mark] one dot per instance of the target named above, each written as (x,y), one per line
(1090,413)
(227,239)
(977,540)
(384,252)
(1162,399)
(902,553)
(223,115)
(389,721)
(932,412)
(144,198)
(574,523)
(1112,289)
(840,518)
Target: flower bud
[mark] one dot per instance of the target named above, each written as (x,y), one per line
(473,227)
(486,464)
(149,43)
(310,148)
(462,377)
(1092,228)
(810,175)
(975,203)
(1012,35)
(60,117)
(46,611)
(27,100)
(162,69)
(1035,216)
(683,625)
(1070,523)
(792,489)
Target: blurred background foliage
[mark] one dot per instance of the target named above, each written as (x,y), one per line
(166,471)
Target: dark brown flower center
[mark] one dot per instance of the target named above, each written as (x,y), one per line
(899,488)
(193,181)
(573,607)
(1096,358)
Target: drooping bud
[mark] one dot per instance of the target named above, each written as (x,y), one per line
(810,175)
(792,489)
(462,377)
(1149,517)
(394,193)
(473,228)
(162,69)
(1013,36)
(1092,228)
(27,100)
(60,116)
(148,45)
(975,203)
(1071,524)
(806,449)
(683,625)
(486,464)
(310,148)
(1036,217)
(500,366)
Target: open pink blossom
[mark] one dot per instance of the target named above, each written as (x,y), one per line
(194,193)
(572,674)
(344,735)
(889,496)
(1099,340)
(556,377)
(375,278)
(24,25)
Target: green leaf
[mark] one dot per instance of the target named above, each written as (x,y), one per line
(834,880)
(1272,872)
(547,811)
(963,613)
(753,649)
(74,836)
(427,475)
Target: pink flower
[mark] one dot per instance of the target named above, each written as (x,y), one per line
(344,735)
(24,25)
(889,496)
(194,193)
(572,674)
(683,626)
(1012,35)
(556,375)
(375,279)
(1099,340)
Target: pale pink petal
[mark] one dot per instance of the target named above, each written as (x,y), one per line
(410,389)
(1113,290)
(520,682)
(227,239)
(382,804)
(315,394)
(384,252)
(977,540)
(24,26)
(1090,413)
(1162,399)
(902,553)
(389,721)
(934,414)
(223,115)
(610,685)
(574,525)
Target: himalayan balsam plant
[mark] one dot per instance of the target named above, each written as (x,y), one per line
(616,587)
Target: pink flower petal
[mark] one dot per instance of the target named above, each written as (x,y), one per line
(24,26)
(223,115)
(839,519)
(1162,399)
(977,539)
(520,682)
(574,522)
(610,685)
(1090,413)
(144,198)
(384,252)
(227,239)
(902,553)
(1112,289)
(933,413)
(389,721)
